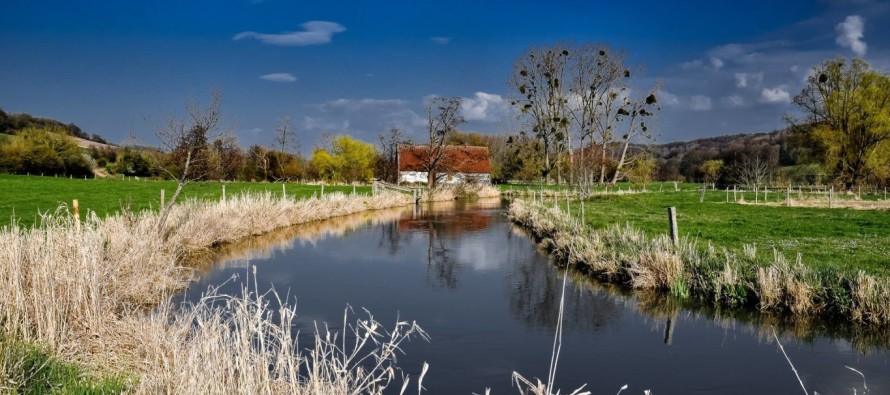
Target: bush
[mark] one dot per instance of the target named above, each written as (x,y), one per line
(40,151)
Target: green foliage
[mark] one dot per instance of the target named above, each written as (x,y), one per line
(27,369)
(848,107)
(39,151)
(711,169)
(355,159)
(323,166)
(349,160)
(131,163)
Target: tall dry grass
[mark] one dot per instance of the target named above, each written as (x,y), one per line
(83,290)
(628,256)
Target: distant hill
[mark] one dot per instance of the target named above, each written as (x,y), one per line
(679,160)
(12,123)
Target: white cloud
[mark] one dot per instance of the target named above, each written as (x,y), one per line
(744,80)
(279,77)
(699,103)
(733,101)
(485,107)
(850,34)
(668,99)
(691,65)
(440,40)
(775,95)
(314,33)
(716,63)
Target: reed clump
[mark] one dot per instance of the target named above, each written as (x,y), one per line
(627,256)
(82,289)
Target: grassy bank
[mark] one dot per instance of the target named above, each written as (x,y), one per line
(79,288)
(725,277)
(842,239)
(26,196)
(27,369)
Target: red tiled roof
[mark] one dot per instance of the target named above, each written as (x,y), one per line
(456,158)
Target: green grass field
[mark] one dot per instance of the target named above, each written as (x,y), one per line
(840,238)
(27,196)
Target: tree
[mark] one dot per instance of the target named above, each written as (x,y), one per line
(286,148)
(846,105)
(643,170)
(597,72)
(323,166)
(711,170)
(354,159)
(753,171)
(35,150)
(443,118)
(538,79)
(387,162)
(186,140)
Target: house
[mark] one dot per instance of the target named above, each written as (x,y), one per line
(459,163)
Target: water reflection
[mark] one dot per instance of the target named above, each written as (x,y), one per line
(490,301)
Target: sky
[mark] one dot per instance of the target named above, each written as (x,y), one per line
(120,68)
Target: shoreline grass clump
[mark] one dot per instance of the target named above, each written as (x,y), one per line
(82,290)
(720,276)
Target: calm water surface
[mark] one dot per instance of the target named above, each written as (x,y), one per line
(489,300)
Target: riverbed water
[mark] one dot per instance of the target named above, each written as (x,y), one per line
(489,300)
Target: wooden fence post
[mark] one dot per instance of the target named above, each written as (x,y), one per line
(672,222)
(755,194)
(322,190)
(830,196)
(224,193)
(788,196)
(702,198)
(727,194)
(76,208)
(162,199)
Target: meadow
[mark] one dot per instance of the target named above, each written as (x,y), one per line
(25,197)
(841,238)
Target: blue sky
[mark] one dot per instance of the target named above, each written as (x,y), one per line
(117,68)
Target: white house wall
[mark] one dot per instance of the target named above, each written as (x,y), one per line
(420,177)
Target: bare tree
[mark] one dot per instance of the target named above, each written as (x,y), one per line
(286,145)
(596,71)
(186,140)
(753,171)
(539,79)
(443,119)
(389,154)
(632,114)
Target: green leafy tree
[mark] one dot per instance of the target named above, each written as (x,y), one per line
(323,166)
(846,105)
(355,159)
(711,169)
(35,151)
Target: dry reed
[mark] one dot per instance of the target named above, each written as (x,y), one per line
(82,289)
(627,256)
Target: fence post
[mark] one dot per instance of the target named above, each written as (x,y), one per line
(756,195)
(672,222)
(735,191)
(76,208)
(830,196)
(727,194)
(162,199)
(675,187)
(224,193)
(788,196)
(322,190)
(702,198)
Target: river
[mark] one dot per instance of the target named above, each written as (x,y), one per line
(489,300)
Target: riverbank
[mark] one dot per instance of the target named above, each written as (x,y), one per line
(80,288)
(720,276)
